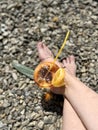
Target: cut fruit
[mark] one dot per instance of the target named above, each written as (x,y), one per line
(58,78)
(44,74)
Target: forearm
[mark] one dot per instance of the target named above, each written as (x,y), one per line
(84,101)
(71,121)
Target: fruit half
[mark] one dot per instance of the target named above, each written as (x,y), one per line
(58,78)
(44,74)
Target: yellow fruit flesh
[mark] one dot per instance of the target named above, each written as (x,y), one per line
(58,78)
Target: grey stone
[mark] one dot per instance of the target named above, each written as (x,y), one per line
(41,124)
(1,91)
(5,33)
(2,125)
(92,70)
(83,69)
(33,123)
(43,30)
(6,103)
(17,124)
(1,37)
(14,76)
(25,123)
(23,112)
(49,127)
(49,119)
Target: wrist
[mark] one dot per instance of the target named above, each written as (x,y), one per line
(70,81)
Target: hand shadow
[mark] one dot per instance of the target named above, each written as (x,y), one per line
(55,104)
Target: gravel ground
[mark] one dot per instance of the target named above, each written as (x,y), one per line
(22,24)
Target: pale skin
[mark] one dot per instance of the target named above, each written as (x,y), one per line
(80,110)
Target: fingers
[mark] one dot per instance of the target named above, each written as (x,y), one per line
(64,63)
(70,59)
